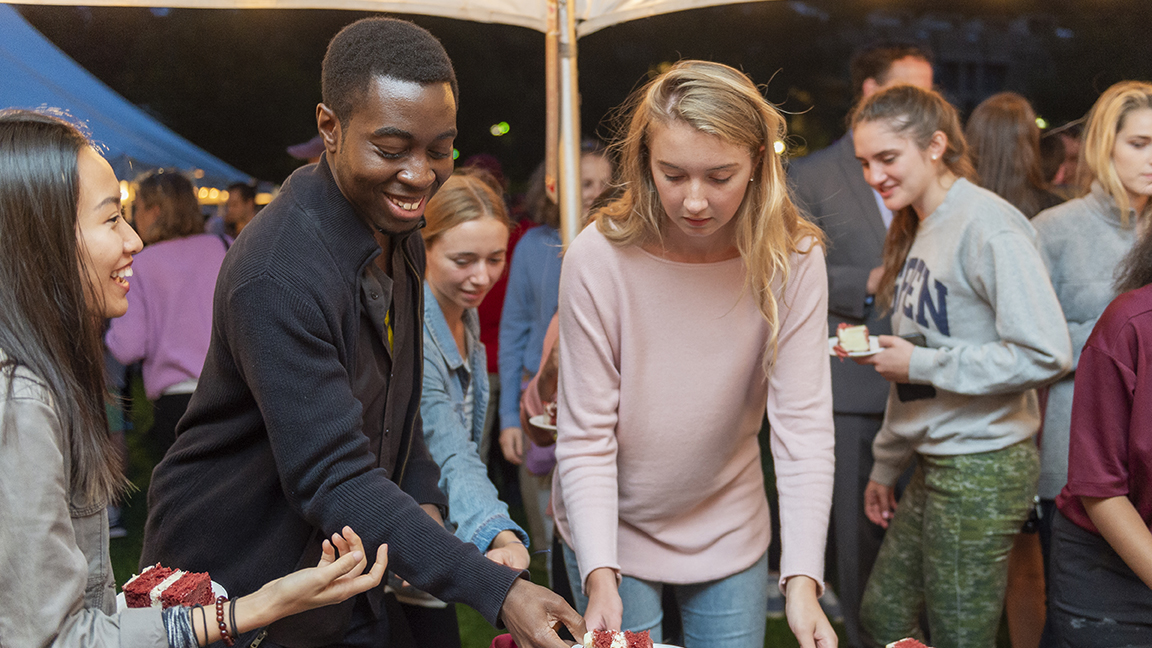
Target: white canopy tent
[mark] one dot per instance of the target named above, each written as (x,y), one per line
(562,21)
(590,15)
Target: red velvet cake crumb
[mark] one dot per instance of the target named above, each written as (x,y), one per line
(602,638)
(638,639)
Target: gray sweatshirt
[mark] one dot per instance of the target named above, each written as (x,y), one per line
(975,287)
(1081,242)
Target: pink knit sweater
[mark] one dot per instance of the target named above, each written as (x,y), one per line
(662,393)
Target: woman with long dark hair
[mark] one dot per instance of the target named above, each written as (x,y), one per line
(66,267)
(977,328)
(1004,144)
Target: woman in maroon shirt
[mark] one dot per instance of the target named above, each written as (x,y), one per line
(1100,585)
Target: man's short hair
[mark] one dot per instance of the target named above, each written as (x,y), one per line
(874,61)
(380,47)
(245,191)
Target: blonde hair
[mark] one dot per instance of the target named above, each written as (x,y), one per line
(721,101)
(464,197)
(915,114)
(1105,121)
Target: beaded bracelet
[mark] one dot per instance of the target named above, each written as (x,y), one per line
(224,636)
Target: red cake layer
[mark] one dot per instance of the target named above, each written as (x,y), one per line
(136,590)
(191,589)
(638,639)
(603,639)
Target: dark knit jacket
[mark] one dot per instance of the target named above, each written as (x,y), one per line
(275,452)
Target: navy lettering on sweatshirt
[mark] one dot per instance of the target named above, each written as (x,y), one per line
(915,297)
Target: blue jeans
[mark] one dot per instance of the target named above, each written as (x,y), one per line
(724,613)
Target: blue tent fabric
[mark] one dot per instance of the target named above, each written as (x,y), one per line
(34,73)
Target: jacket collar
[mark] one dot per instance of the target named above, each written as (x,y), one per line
(348,237)
(441,335)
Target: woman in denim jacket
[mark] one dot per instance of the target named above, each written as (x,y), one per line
(466,237)
(467,240)
(65,269)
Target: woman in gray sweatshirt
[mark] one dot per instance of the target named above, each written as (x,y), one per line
(963,277)
(1083,241)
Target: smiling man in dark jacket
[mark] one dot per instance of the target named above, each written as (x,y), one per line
(307,413)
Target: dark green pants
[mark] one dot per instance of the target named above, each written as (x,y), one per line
(946,551)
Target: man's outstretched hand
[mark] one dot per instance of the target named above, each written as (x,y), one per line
(533,613)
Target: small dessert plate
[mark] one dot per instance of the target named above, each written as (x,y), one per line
(543,422)
(873,347)
(217,591)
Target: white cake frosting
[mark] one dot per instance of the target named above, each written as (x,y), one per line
(155,593)
(135,576)
(618,640)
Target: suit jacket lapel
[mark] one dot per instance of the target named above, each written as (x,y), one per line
(854,178)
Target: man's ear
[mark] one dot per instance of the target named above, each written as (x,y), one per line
(329,127)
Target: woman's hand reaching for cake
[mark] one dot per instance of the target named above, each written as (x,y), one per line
(331,581)
(806,619)
(605,608)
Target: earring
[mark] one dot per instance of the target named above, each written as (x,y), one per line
(751,179)
(934,158)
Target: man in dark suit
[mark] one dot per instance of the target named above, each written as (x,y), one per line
(830,186)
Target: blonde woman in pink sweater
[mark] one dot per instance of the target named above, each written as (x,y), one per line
(696,302)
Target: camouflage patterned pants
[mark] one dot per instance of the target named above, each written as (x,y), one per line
(946,551)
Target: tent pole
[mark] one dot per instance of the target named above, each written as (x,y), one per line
(570,207)
(552,100)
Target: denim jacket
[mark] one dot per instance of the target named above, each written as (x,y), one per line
(473,505)
(56,585)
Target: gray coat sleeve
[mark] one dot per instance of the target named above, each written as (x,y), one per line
(49,584)
(1032,346)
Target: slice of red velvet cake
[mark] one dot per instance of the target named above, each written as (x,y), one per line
(137,588)
(159,586)
(616,639)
